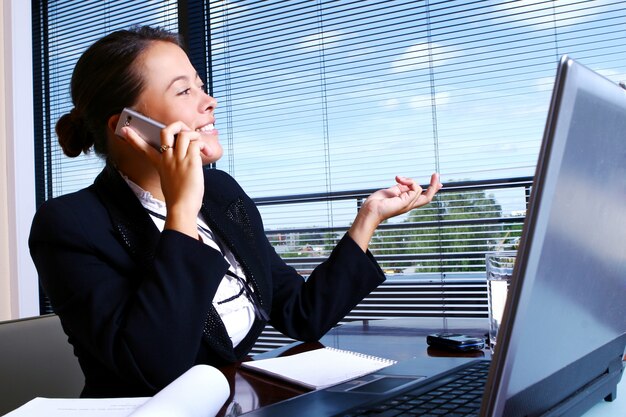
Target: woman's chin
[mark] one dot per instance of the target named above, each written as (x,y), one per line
(211,153)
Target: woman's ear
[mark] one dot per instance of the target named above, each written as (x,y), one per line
(112,122)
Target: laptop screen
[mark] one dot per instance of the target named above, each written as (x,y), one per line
(571,260)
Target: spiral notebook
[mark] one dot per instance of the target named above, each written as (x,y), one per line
(319,368)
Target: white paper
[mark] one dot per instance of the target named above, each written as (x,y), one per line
(319,368)
(199,392)
(78,407)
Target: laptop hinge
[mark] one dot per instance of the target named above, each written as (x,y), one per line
(602,387)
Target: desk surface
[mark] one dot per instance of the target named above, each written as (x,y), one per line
(398,339)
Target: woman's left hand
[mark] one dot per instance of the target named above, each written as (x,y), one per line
(406,195)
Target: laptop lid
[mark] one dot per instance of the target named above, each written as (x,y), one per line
(566,317)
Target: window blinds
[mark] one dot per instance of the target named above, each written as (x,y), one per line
(322,102)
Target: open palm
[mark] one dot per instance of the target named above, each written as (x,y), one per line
(406,195)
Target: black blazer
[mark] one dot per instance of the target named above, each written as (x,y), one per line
(137,304)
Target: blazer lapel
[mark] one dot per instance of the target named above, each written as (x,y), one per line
(232,224)
(136,230)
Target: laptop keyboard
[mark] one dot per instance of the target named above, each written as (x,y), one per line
(456,395)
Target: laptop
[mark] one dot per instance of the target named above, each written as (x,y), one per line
(563,336)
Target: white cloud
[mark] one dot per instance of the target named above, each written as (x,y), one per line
(314,41)
(416,57)
(543,82)
(542,14)
(391,104)
(424,100)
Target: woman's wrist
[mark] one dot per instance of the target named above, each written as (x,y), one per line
(363,227)
(182,221)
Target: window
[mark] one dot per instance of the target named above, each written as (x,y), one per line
(322,102)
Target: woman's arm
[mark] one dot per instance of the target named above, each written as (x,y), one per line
(307,309)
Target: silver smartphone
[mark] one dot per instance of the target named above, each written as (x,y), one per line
(147,128)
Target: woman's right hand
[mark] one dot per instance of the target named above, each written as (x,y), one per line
(179,165)
(182,180)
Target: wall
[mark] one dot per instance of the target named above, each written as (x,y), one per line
(5,306)
(19,292)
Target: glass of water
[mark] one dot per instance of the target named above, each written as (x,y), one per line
(499,267)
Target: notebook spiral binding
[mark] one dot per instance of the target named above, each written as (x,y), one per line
(364,356)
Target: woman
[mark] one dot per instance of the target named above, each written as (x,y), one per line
(161,264)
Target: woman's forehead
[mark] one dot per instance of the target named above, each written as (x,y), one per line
(164,63)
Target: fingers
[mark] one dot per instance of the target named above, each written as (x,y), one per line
(140,144)
(434,187)
(177,137)
(174,140)
(416,195)
(177,143)
(407,184)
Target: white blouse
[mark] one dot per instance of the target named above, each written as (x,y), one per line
(230,301)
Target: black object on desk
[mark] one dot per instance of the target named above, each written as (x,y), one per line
(455,341)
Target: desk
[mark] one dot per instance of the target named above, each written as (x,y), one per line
(398,339)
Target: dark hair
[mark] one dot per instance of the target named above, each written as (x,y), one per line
(105,80)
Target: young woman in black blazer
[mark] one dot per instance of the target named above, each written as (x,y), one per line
(161,264)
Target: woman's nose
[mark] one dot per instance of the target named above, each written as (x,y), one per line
(211,103)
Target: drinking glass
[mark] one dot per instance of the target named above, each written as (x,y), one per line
(499,267)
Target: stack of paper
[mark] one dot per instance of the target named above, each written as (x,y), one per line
(199,392)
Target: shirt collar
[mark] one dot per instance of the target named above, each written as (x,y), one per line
(145,197)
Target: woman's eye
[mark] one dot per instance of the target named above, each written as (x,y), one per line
(186,91)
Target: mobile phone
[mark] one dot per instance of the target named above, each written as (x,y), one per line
(455,341)
(147,128)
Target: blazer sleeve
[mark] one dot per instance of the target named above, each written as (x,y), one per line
(306,310)
(144,324)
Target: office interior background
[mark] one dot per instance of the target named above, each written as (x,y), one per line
(320,103)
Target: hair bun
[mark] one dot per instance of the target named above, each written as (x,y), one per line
(73,133)
(75,117)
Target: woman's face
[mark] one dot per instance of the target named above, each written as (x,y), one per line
(174,92)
